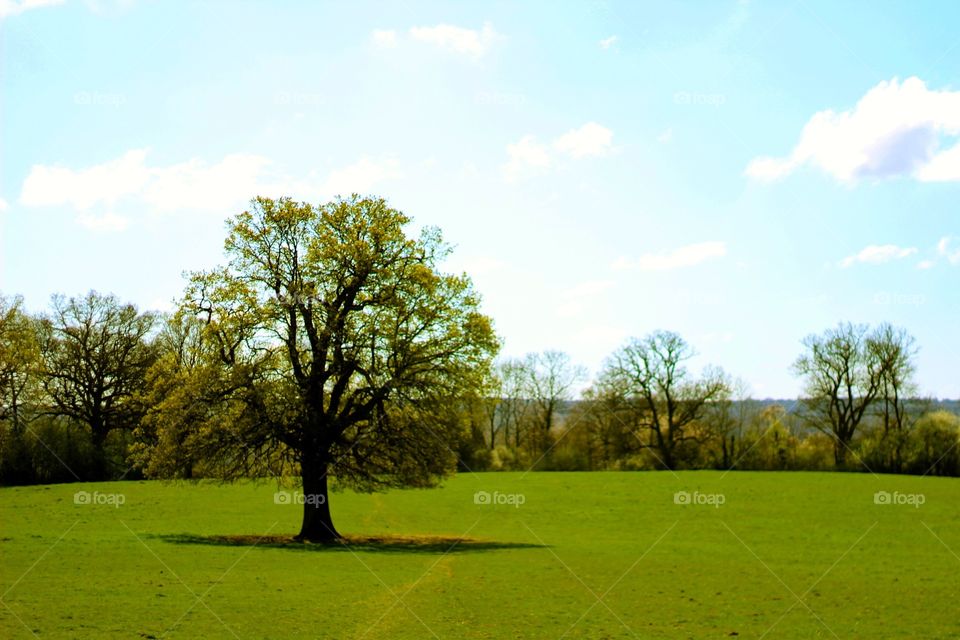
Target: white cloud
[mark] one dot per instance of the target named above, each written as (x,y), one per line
(386,38)
(525,157)
(925,264)
(471,42)
(943,167)
(769,169)
(688,256)
(104,183)
(194,185)
(359,177)
(878,254)
(3,205)
(895,129)
(12,7)
(951,253)
(665,136)
(606,43)
(591,139)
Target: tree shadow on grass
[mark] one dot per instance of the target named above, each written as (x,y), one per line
(353,543)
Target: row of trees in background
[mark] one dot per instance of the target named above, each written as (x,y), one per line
(647,410)
(92,389)
(332,345)
(71,385)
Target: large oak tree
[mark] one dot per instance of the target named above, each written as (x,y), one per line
(333,345)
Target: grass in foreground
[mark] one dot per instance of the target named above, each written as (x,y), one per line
(586,555)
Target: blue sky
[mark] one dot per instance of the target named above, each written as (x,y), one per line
(744,173)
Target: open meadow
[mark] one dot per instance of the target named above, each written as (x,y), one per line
(544,555)
(423,320)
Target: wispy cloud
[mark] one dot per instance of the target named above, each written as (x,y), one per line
(96,192)
(359,177)
(470,42)
(606,43)
(591,139)
(528,157)
(193,184)
(948,249)
(525,157)
(686,256)
(878,254)
(104,183)
(895,130)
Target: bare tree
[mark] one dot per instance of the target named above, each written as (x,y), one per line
(610,426)
(550,380)
(843,378)
(491,402)
(668,401)
(728,417)
(515,406)
(893,349)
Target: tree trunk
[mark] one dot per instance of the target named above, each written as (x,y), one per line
(15,409)
(666,453)
(317,522)
(840,454)
(100,467)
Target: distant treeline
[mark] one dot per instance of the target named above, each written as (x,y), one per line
(746,434)
(83,388)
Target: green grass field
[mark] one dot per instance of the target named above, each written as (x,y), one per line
(587,555)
